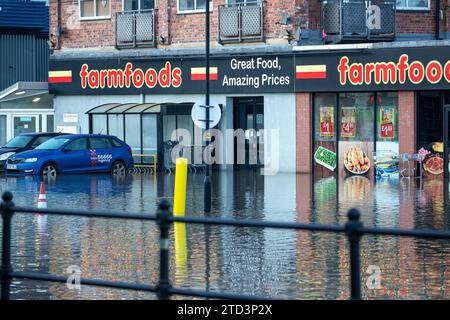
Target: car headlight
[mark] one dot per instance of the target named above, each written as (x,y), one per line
(6,155)
(30,160)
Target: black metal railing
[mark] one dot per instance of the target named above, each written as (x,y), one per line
(135,28)
(358,20)
(353,229)
(239,22)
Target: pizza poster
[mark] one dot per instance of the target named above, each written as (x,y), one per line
(326,121)
(348,122)
(387,120)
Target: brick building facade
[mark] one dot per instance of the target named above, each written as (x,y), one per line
(174,28)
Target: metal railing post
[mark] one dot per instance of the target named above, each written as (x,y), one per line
(6,267)
(163,220)
(353,232)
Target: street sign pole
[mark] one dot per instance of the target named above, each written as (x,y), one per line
(207,181)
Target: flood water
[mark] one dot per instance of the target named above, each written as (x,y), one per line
(283,264)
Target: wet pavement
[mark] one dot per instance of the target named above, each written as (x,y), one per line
(285,264)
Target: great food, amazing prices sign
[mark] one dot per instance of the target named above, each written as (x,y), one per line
(377,69)
(175,76)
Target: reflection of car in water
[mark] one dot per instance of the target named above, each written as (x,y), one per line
(23,142)
(73,154)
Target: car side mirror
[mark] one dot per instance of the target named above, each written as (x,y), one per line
(66,150)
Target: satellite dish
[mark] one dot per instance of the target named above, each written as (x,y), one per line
(198,115)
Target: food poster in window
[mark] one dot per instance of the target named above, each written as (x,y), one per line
(355,158)
(348,122)
(387,123)
(324,156)
(326,121)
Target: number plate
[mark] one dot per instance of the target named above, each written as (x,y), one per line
(11,167)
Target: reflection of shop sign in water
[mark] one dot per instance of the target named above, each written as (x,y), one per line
(326,158)
(348,122)
(326,121)
(387,120)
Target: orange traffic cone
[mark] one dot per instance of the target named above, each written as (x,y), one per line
(42,201)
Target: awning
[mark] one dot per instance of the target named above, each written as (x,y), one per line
(133,108)
(24,90)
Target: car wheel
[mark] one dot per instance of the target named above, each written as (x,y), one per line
(118,168)
(49,170)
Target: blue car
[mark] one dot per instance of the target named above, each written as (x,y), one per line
(81,153)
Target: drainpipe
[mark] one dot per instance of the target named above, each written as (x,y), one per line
(438,19)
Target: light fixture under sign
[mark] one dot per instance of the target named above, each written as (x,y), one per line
(20,93)
(36,99)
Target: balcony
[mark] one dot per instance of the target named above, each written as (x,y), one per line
(135,29)
(241,22)
(346,21)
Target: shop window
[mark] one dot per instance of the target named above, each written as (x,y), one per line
(2,130)
(50,123)
(387,149)
(94,9)
(324,134)
(356,133)
(413,4)
(429,119)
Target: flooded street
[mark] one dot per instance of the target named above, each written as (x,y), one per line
(284,264)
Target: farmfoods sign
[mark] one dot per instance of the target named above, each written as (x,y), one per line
(419,68)
(243,74)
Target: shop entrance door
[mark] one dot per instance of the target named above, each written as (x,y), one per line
(249,116)
(446,140)
(25,124)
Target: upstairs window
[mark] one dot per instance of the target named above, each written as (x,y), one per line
(133,5)
(187,6)
(94,9)
(413,4)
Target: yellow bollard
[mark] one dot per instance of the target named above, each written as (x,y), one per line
(179,196)
(179,209)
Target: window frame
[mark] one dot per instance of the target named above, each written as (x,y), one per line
(94,17)
(194,10)
(428,8)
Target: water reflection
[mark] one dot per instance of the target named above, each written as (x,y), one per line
(244,260)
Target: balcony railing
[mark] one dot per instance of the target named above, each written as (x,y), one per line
(239,22)
(135,29)
(358,20)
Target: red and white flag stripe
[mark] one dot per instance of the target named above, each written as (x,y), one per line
(200,73)
(64,76)
(312,71)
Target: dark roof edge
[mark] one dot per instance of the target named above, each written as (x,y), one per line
(171,52)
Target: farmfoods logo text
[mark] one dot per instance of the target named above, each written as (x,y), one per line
(392,72)
(165,77)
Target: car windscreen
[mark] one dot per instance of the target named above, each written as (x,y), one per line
(19,141)
(52,144)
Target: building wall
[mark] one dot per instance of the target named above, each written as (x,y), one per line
(23,57)
(304,113)
(273,117)
(407,122)
(174,27)
(188,29)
